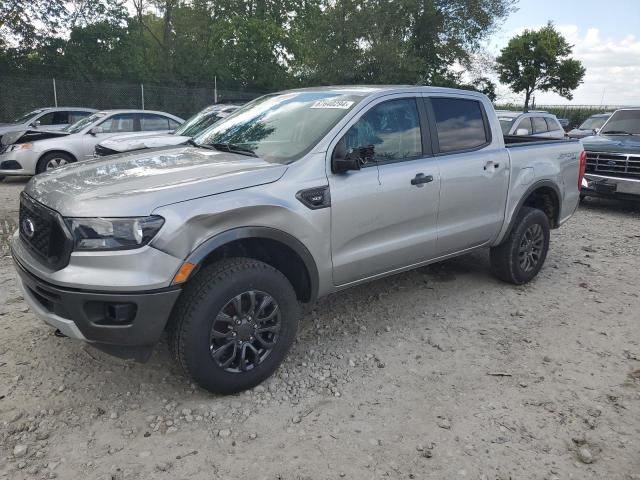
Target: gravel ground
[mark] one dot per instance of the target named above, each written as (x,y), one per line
(440,373)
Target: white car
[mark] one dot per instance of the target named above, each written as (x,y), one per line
(189,129)
(34,151)
(50,118)
(533,124)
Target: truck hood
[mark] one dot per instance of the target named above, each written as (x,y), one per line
(612,143)
(136,183)
(125,143)
(24,136)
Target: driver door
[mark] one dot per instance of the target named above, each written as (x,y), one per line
(382,219)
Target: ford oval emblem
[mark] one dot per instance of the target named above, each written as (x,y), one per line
(28,228)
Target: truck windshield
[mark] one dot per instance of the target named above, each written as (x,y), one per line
(623,122)
(279,128)
(85,122)
(594,122)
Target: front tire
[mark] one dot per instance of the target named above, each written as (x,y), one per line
(234,324)
(53,160)
(520,257)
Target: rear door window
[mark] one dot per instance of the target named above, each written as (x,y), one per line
(151,122)
(460,124)
(539,125)
(77,115)
(552,124)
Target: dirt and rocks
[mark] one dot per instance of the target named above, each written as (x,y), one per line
(440,373)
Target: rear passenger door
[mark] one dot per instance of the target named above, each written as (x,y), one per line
(474,173)
(540,128)
(554,128)
(384,216)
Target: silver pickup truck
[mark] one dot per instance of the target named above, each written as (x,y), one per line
(294,196)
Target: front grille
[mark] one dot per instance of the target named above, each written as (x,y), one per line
(614,164)
(42,230)
(103,151)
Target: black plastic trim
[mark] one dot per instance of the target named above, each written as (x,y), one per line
(530,190)
(213,243)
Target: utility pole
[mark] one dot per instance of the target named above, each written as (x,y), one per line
(142,94)
(215,89)
(55,94)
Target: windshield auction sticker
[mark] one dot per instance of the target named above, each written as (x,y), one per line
(341,104)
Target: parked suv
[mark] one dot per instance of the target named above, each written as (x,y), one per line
(535,124)
(296,195)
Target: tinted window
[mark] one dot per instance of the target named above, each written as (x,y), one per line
(539,125)
(526,124)
(392,128)
(122,122)
(151,122)
(459,123)
(60,118)
(173,124)
(46,119)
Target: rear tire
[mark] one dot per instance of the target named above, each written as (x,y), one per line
(520,257)
(53,160)
(234,324)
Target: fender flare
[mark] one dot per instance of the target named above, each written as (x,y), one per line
(527,193)
(240,233)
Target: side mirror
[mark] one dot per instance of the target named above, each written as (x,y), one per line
(596,130)
(96,130)
(36,124)
(522,132)
(343,161)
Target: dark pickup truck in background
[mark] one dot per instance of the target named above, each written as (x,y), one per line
(613,158)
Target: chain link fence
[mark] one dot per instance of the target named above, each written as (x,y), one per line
(20,95)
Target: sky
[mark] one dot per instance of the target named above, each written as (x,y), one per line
(606,38)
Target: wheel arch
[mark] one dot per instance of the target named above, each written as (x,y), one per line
(270,245)
(56,150)
(543,195)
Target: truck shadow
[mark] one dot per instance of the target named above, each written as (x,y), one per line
(610,205)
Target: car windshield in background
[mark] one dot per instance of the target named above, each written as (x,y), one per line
(85,122)
(26,116)
(592,123)
(280,128)
(623,122)
(198,123)
(505,124)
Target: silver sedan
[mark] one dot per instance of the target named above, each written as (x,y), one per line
(34,151)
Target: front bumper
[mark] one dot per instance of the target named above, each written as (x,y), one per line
(125,324)
(610,187)
(18,163)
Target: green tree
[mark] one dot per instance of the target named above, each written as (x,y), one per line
(539,60)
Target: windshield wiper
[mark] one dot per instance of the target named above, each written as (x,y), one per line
(198,145)
(616,132)
(233,148)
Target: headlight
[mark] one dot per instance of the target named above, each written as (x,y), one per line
(113,233)
(19,146)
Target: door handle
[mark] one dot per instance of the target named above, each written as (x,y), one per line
(421,178)
(490,163)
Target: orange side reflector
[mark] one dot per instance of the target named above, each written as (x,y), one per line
(183,273)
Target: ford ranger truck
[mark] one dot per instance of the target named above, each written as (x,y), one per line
(294,196)
(613,158)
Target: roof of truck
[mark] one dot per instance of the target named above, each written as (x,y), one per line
(367,90)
